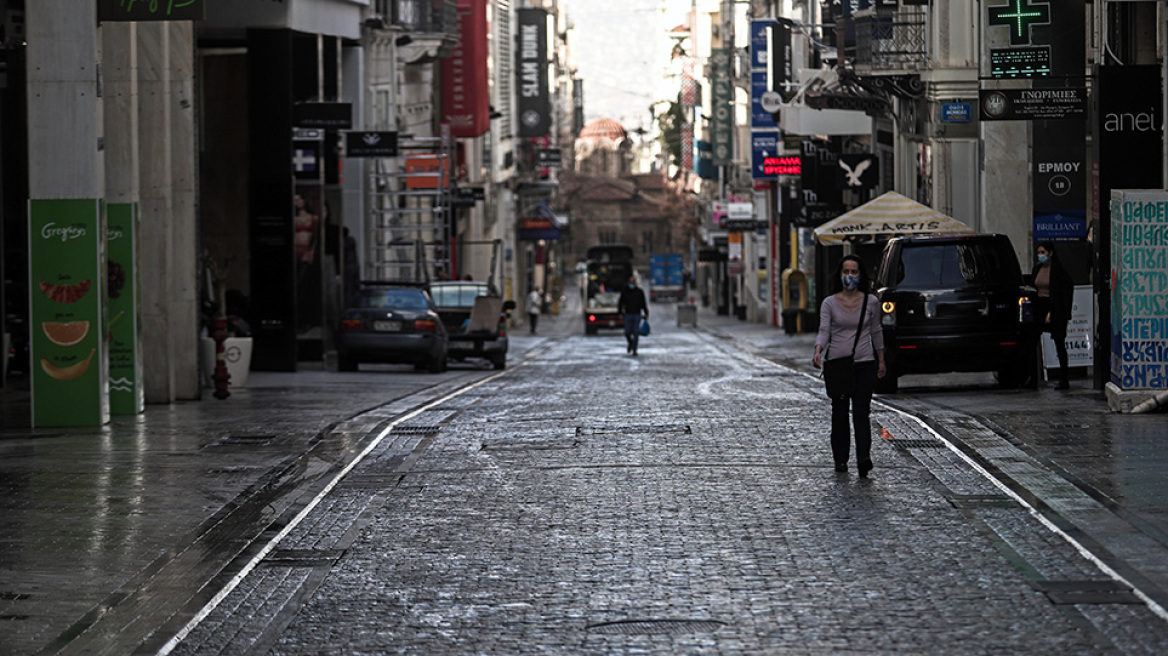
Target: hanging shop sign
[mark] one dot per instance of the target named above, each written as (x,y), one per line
(324,115)
(1034,38)
(150,10)
(67,326)
(371,144)
(721,134)
(464,74)
(1033,104)
(531,69)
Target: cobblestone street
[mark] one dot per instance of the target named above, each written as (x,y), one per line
(679,502)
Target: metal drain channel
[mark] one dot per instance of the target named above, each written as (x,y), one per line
(651,429)
(416,430)
(1070,593)
(645,627)
(910,443)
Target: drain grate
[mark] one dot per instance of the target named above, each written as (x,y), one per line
(303,557)
(416,430)
(975,501)
(652,429)
(644,627)
(911,443)
(245,440)
(1069,593)
(14,596)
(529,445)
(1070,426)
(370,481)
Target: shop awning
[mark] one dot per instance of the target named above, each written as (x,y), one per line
(889,215)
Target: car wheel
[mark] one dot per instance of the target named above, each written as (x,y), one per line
(438,364)
(499,362)
(589,330)
(346,363)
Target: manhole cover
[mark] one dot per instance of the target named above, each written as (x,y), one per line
(642,627)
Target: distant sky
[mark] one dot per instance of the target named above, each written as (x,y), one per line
(620,49)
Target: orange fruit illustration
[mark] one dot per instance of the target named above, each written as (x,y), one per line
(65,334)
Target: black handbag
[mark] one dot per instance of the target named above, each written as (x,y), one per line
(839,374)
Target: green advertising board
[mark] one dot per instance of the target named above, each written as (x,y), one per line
(126,391)
(67,327)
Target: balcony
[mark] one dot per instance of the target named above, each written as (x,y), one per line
(427,29)
(891,41)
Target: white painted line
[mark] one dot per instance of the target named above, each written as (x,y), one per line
(211,605)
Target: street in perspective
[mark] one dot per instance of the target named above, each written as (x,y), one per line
(587,501)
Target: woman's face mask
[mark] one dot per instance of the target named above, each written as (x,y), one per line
(1042,258)
(850,280)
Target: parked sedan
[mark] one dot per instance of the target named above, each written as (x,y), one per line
(396,325)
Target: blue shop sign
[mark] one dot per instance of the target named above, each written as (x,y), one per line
(763,145)
(1063,225)
(956,112)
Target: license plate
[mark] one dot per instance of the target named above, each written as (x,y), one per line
(387,326)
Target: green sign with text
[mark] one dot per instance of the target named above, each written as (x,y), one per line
(67,328)
(126,390)
(149,10)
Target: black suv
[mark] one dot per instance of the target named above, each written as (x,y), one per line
(950,303)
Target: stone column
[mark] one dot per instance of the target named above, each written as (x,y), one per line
(184,297)
(120,71)
(156,238)
(66,177)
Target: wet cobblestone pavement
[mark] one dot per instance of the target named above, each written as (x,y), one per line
(583,502)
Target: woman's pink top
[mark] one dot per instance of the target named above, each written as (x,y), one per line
(837,330)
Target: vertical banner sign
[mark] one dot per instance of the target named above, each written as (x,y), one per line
(722,95)
(464,74)
(535,118)
(764,135)
(1059,180)
(126,390)
(67,326)
(577,106)
(1139,289)
(781,65)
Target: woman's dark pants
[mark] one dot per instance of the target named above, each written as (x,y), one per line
(861,406)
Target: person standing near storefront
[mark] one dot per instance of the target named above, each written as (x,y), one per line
(534,307)
(1052,309)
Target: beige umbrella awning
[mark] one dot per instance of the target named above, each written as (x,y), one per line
(889,215)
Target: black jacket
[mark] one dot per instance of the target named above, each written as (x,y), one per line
(632,301)
(1062,292)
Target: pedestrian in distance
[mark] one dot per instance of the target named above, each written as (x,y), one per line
(1052,311)
(633,307)
(534,306)
(850,348)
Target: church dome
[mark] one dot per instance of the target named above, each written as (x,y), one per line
(604,128)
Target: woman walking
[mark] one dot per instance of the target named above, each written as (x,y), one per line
(850,334)
(1052,308)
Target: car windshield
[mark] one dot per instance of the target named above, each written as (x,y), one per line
(948,266)
(393,299)
(457,296)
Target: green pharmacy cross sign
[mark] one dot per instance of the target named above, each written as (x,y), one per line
(1020,16)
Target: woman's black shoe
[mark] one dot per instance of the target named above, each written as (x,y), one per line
(841,466)
(864,466)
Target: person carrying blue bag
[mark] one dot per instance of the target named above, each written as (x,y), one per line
(632,306)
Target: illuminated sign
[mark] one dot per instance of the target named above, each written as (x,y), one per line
(786,165)
(1020,62)
(1020,16)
